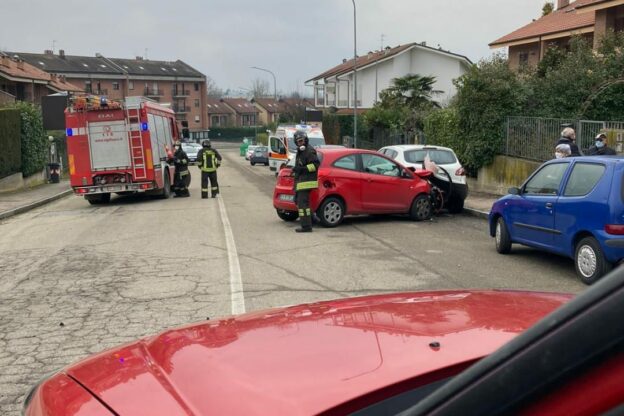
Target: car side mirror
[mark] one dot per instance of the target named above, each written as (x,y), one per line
(406,173)
(514,191)
(411,168)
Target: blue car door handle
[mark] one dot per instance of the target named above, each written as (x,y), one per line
(549,205)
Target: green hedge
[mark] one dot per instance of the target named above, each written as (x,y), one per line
(34,141)
(235,133)
(11,153)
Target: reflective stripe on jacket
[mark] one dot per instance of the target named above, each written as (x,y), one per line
(209,160)
(309,160)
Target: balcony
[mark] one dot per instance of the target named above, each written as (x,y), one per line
(181,108)
(153,92)
(180,92)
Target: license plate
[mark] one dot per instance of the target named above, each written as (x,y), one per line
(286,197)
(113,188)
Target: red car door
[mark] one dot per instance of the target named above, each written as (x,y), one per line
(384,189)
(345,179)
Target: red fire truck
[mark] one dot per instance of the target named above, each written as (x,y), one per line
(119,147)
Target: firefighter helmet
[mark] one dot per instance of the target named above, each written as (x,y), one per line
(206,143)
(301,135)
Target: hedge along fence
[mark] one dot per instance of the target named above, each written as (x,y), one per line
(34,140)
(10,146)
(235,133)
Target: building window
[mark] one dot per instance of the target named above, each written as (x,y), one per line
(130,85)
(88,87)
(196,119)
(115,86)
(320,95)
(523,58)
(214,120)
(196,103)
(197,86)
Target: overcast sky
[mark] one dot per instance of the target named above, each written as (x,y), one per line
(296,39)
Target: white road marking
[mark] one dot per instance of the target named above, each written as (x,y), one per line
(236,281)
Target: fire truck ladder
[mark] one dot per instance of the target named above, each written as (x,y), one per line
(136,143)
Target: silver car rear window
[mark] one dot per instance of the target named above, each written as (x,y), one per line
(441,157)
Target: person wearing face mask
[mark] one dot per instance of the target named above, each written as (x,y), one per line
(600,146)
(305,172)
(182,176)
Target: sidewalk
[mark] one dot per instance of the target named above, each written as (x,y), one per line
(12,203)
(16,202)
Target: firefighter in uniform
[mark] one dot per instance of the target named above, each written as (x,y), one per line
(305,172)
(182,178)
(208,160)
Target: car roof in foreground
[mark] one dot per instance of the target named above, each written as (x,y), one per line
(551,357)
(309,358)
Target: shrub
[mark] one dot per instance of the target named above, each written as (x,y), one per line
(33,139)
(10,156)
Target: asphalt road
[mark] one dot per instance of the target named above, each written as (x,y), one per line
(76,279)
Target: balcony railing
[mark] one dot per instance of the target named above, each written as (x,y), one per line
(181,108)
(153,92)
(180,92)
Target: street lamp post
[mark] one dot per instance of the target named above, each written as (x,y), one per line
(354,76)
(274,82)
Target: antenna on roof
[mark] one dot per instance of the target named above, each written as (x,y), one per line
(53,46)
(382,41)
(145,55)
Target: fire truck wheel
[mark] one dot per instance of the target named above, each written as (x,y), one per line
(98,198)
(166,193)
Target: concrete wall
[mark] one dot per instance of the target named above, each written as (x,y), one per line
(504,173)
(16,182)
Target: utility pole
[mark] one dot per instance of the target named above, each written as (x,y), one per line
(354,75)
(376,64)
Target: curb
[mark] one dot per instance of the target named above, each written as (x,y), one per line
(33,205)
(477,213)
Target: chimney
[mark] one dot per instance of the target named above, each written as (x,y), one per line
(562,3)
(20,64)
(98,55)
(62,53)
(139,58)
(48,52)
(344,60)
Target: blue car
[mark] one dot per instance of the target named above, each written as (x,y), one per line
(573,207)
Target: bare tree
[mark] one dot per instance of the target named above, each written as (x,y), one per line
(259,88)
(213,90)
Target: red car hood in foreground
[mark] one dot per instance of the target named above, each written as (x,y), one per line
(304,359)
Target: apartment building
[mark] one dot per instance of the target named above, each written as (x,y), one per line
(174,83)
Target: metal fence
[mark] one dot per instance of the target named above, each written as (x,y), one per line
(379,138)
(534,138)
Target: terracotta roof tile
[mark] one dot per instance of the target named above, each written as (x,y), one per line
(23,70)
(362,61)
(270,104)
(562,20)
(240,105)
(216,106)
(593,2)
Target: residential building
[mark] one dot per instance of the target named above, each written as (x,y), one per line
(174,83)
(269,109)
(245,113)
(587,18)
(219,114)
(20,81)
(376,70)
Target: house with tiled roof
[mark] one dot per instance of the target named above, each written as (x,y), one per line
(376,70)
(219,113)
(588,18)
(169,82)
(20,81)
(245,112)
(269,109)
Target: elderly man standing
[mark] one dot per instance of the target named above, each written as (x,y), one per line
(600,146)
(568,136)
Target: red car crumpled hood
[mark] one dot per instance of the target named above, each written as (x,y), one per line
(309,358)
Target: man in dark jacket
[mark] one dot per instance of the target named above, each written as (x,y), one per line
(208,160)
(568,136)
(182,178)
(306,175)
(600,146)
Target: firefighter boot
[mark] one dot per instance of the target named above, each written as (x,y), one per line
(306,223)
